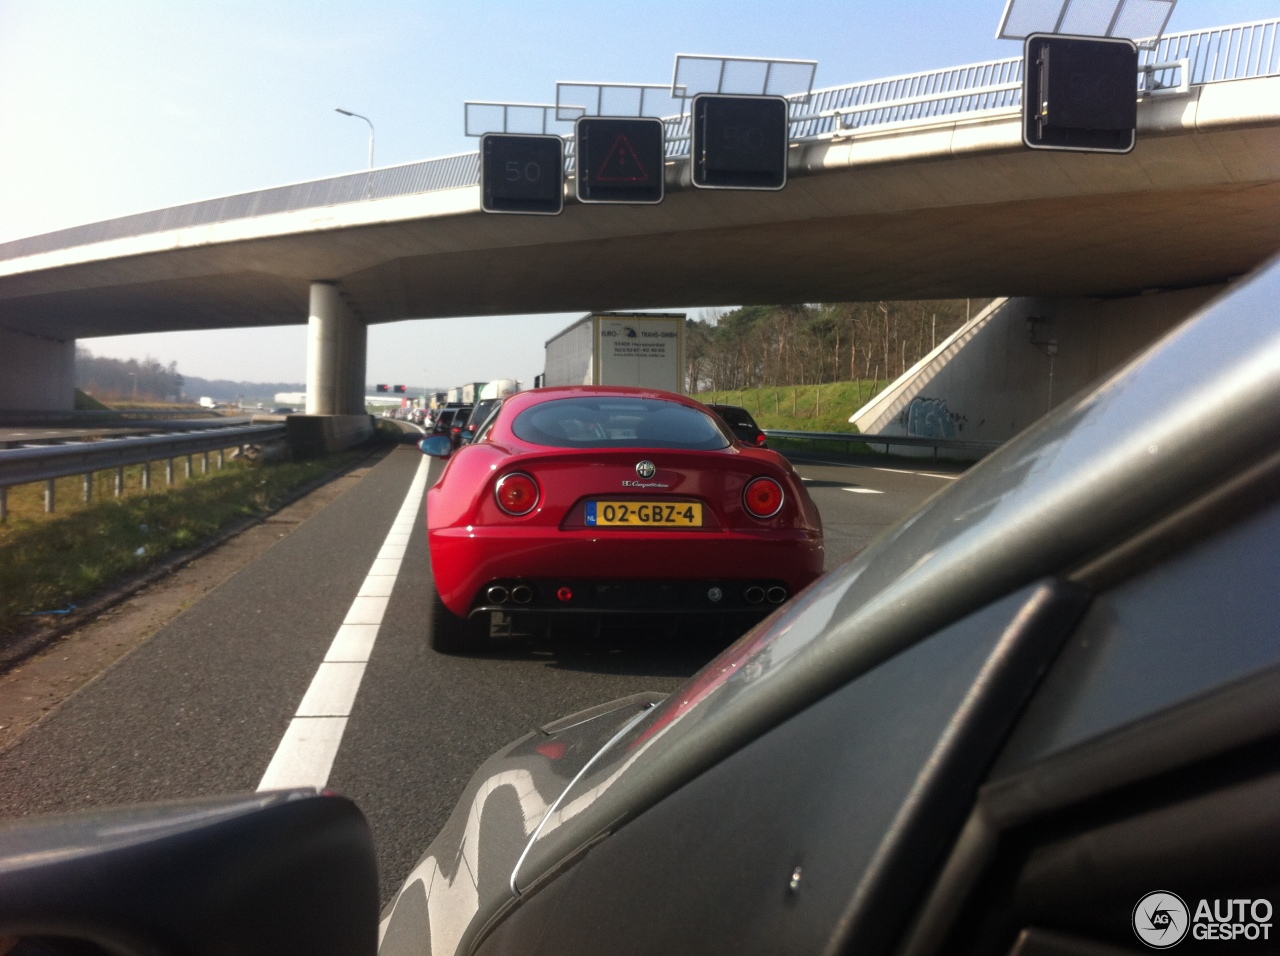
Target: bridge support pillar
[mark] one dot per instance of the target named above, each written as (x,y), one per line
(336,345)
(36,373)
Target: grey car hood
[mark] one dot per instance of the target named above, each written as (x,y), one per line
(464,878)
(1173,423)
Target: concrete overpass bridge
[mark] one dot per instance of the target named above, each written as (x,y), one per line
(908,187)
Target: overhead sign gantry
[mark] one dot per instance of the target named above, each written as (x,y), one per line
(1080,69)
(1080,93)
(737,111)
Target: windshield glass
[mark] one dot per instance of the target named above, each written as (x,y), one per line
(618,422)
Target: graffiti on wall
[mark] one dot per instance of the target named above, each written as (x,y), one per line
(930,418)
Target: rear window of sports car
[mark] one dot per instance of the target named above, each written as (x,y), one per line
(604,422)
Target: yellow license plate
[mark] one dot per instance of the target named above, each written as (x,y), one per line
(643,514)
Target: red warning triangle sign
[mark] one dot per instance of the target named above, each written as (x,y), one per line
(621,164)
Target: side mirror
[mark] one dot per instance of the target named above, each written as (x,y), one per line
(437,446)
(261,874)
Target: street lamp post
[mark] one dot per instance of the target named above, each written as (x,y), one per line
(367,120)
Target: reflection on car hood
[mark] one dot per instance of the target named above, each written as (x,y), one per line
(1168,426)
(464,878)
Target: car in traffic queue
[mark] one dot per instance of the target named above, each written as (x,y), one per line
(450,417)
(443,419)
(741,423)
(590,501)
(1040,716)
(479,414)
(458,424)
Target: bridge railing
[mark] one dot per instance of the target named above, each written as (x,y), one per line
(1220,54)
(1237,52)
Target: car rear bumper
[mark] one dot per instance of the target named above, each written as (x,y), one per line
(466,561)
(749,598)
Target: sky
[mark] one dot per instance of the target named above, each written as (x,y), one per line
(109,107)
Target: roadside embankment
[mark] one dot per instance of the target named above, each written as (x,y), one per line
(814,408)
(51,564)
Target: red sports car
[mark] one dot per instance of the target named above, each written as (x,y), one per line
(596,500)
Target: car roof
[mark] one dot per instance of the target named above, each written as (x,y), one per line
(535,396)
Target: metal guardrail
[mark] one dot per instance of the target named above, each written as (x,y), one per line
(21,466)
(1220,54)
(910,441)
(96,415)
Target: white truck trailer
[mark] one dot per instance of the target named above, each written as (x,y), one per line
(500,388)
(466,394)
(645,349)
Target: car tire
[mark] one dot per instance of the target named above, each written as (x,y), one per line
(451,634)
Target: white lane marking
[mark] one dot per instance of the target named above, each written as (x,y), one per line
(332,690)
(863,491)
(377,585)
(353,643)
(905,471)
(366,610)
(849,464)
(306,753)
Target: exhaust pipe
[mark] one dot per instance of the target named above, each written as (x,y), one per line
(497,594)
(753,594)
(777,595)
(522,594)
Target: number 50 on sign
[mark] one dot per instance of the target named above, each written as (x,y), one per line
(522,174)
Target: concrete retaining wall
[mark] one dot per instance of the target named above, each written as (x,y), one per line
(1019,358)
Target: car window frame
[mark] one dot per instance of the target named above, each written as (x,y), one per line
(482,433)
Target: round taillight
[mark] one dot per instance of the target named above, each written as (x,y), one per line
(517,493)
(762,497)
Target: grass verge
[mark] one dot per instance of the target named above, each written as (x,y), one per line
(813,408)
(50,561)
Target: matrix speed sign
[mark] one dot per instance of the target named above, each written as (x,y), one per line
(739,142)
(522,174)
(620,159)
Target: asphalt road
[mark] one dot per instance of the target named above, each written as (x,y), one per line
(201,707)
